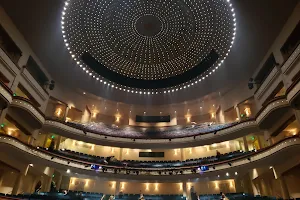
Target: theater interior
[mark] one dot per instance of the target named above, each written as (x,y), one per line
(149,99)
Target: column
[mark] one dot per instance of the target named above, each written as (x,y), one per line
(33,137)
(118,186)
(283,188)
(248,185)
(45,141)
(237,109)
(260,142)
(66,113)
(182,154)
(48,181)
(58,184)
(297,115)
(121,154)
(58,141)
(1,178)
(17,184)
(268,137)
(184,190)
(246,143)
(2,115)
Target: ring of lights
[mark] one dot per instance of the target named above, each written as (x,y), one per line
(148,41)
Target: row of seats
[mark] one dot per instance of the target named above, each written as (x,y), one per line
(148,164)
(150,132)
(73,195)
(235,196)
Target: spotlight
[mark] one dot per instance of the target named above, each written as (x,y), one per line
(31,165)
(68,171)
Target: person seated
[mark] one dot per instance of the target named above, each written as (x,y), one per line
(223,196)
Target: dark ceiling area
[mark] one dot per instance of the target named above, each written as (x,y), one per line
(258,24)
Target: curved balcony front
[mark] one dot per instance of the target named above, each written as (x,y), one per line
(173,137)
(23,111)
(269,156)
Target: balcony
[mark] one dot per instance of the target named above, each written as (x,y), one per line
(23,111)
(9,47)
(273,155)
(6,95)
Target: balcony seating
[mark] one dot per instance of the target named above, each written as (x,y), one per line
(235,196)
(74,195)
(148,164)
(150,132)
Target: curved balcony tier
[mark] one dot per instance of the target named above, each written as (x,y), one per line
(271,155)
(172,137)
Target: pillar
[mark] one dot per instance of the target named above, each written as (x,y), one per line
(283,188)
(2,115)
(1,178)
(182,155)
(33,137)
(184,190)
(237,109)
(297,115)
(66,113)
(58,143)
(58,184)
(246,143)
(47,181)
(118,186)
(17,184)
(268,137)
(248,185)
(121,154)
(45,141)
(260,142)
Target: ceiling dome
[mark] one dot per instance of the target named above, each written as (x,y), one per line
(148,45)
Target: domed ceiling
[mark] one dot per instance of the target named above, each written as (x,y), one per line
(148,47)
